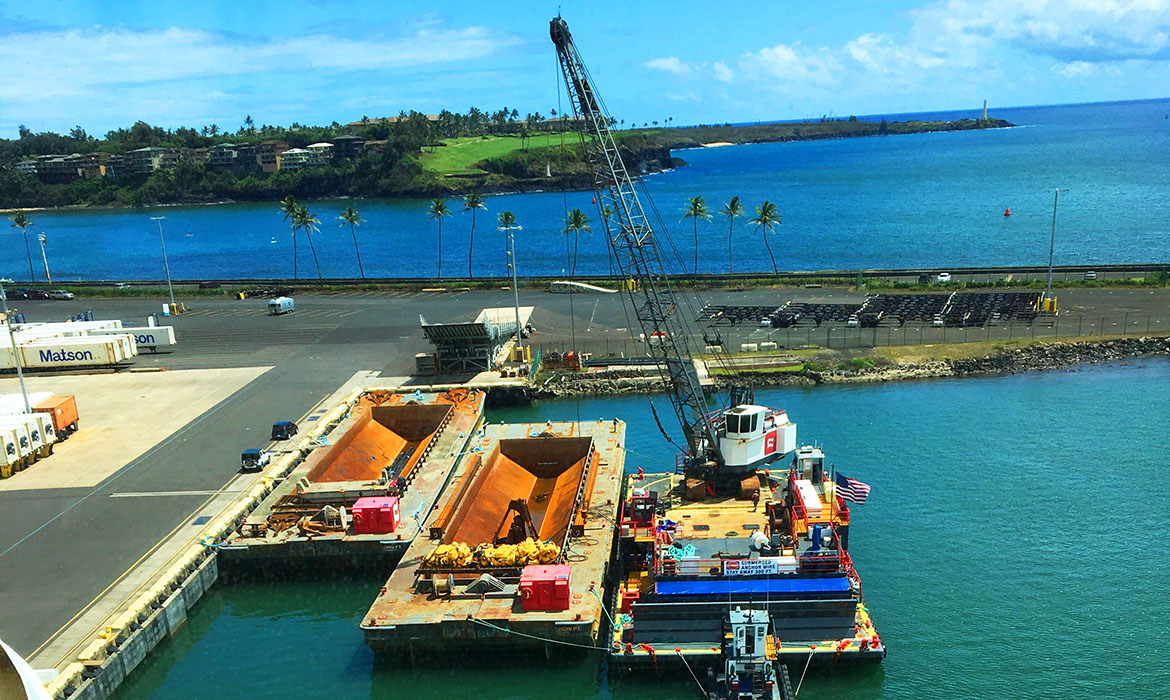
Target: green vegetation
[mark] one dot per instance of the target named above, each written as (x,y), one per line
(413,154)
(462,155)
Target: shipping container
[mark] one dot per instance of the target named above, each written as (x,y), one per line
(62,410)
(74,352)
(149,337)
(14,403)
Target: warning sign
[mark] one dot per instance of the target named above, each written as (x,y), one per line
(764,566)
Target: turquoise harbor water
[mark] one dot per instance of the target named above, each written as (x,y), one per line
(1012,548)
(923,200)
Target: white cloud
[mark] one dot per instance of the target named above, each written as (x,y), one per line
(722,72)
(669,64)
(793,64)
(51,64)
(1075,69)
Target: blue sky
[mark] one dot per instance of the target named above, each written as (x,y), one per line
(106,64)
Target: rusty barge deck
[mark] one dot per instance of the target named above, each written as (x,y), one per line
(390,442)
(533,494)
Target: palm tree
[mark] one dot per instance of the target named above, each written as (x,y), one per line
(309,223)
(696,209)
(768,218)
(731,209)
(21,222)
(289,206)
(471,202)
(576,222)
(436,213)
(350,216)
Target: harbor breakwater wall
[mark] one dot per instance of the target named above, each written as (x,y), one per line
(1037,357)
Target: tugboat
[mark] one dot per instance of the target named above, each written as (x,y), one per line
(728,567)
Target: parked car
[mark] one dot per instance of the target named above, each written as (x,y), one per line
(16,294)
(1091,275)
(37,294)
(209,285)
(253,459)
(121,285)
(60,295)
(943,277)
(283,429)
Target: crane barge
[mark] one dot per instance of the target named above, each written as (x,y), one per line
(729,565)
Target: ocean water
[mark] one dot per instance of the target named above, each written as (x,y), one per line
(923,200)
(1012,548)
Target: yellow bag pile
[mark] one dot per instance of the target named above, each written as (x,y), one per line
(456,554)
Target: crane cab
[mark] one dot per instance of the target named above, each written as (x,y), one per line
(752,435)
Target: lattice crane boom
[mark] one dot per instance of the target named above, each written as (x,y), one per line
(638,256)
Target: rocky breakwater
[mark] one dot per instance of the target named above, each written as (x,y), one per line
(1041,356)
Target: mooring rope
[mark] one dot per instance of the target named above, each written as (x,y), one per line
(533,636)
(702,690)
(806,663)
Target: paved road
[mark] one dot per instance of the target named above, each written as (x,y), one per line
(59,548)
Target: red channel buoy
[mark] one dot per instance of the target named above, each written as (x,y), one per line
(595,200)
(1007,212)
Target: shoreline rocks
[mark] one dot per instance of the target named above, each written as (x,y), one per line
(1038,357)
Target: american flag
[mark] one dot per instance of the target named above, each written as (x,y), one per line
(851,490)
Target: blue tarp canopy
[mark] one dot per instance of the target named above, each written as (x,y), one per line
(773,586)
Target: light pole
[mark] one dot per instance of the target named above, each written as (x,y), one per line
(15,350)
(509,228)
(1052,241)
(43,240)
(166,265)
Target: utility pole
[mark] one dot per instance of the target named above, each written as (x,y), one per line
(15,350)
(515,289)
(166,265)
(43,239)
(1052,241)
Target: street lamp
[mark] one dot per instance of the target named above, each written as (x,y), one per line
(166,265)
(15,350)
(509,229)
(1052,241)
(43,240)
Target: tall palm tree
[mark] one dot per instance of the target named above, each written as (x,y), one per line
(471,202)
(310,224)
(576,222)
(768,218)
(731,209)
(696,209)
(289,206)
(436,212)
(350,216)
(20,221)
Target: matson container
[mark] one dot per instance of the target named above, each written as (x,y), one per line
(77,352)
(149,337)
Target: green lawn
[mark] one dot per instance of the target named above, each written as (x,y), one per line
(460,153)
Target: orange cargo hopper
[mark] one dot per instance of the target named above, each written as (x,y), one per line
(546,474)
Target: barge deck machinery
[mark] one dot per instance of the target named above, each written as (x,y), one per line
(391,444)
(721,548)
(518,548)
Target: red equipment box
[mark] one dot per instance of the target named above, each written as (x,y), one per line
(545,587)
(375,515)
